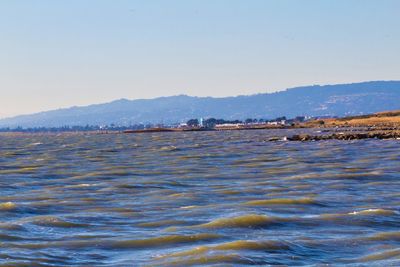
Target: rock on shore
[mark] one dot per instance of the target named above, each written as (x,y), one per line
(341,136)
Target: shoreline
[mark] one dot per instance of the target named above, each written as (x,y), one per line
(346,133)
(395,135)
(381,125)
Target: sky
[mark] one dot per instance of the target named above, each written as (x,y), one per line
(56,54)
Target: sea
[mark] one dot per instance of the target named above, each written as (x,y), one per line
(228,198)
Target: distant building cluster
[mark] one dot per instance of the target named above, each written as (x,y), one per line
(213,123)
(201,123)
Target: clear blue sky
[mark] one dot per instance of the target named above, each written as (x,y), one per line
(76,52)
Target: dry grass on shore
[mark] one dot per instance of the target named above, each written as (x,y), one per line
(381,119)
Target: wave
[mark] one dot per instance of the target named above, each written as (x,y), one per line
(235,245)
(52,221)
(385,236)
(208,260)
(5,237)
(389,254)
(244,221)
(161,223)
(163,240)
(280,201)
(374,212)
(361,213)
(8,206)
(255,220)
(108,244)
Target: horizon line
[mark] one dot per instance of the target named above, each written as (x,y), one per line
(176,95)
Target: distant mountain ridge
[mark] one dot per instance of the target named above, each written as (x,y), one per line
(327,100)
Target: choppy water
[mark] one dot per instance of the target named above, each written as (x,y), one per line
(200,198)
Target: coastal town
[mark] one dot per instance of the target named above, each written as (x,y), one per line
(381,125)
(209,124)
(213,124)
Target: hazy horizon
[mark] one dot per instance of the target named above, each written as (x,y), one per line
(149,98)
(76,53)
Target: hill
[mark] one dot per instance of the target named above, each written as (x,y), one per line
(328,100)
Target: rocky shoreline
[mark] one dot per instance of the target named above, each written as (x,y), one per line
(341,136)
